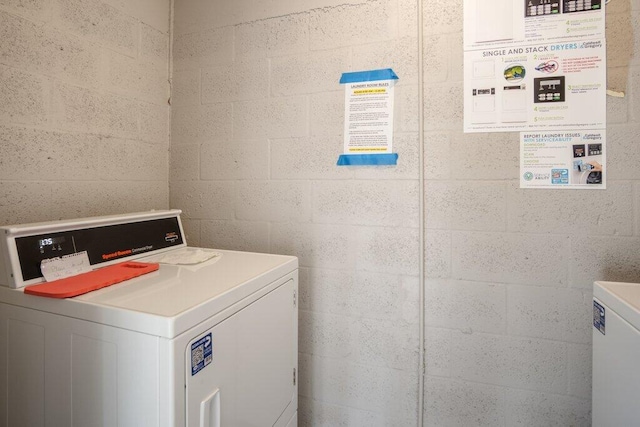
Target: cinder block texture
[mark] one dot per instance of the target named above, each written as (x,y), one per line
(185,87)
(388,250)
(24,98)
(43,50)
(285,117)
(94,198)
(77,157)
(79,109)
(237,82)
(201,123)
(609,212)
(531,259)
(192,231)
(155,13)
(317,413)
(466,305)
(241,159)
(603,258)
(84,119)
(552,313)
(455,403)
(526,363)
(204,199)
(376,203)
(328,114)
(308,73)
(315,245)
(185,162)
(154,123)
(16,207)
(209,48)
(360,294)
(33,9)
(154,45)
(353,24)
(580,368)
(437,254)
(527,408)
(307,158)
(437,358)
(145,81)
(622,158)
(466,205)
(273,201)
(406,146)
(235,235)
(484,156)
(399,54)
(99,22)
(360,386)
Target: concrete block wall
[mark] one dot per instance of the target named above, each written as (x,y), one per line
(257,122)
(509,309)
(258,125)
(84,113)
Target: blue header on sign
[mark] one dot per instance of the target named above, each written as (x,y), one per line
(386,159)
(368,76)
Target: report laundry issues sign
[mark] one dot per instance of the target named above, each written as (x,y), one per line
(571,159)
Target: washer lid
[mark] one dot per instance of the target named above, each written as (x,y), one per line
(623,298)
(171,300)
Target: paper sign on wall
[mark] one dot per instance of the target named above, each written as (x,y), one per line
(563,159)
(534,65)
(368,118)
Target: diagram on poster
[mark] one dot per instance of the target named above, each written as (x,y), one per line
(563,159)
(490,23)
(536,87)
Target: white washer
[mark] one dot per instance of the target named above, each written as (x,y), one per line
(211,344)
(616,352)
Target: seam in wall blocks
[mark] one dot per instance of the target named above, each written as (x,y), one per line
(326,9)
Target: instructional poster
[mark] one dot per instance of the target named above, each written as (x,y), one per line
(534,65)
(489,23)
(563,159)
(368,124)
(536,87)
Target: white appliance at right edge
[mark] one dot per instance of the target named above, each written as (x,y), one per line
(616,353)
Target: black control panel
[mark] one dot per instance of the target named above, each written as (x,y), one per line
(549,89)
(595,149)
(571,6)
(102,244)
(541,7)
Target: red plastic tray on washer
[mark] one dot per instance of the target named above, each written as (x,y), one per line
(92,280)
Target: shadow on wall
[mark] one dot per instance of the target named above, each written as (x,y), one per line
(619,33)
(622,272)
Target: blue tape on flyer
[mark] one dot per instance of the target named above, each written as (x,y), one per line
(368,76)
(598,317)
(383,159)
(201,353)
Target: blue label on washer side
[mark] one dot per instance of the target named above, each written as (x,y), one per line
(201,353)
(598,317)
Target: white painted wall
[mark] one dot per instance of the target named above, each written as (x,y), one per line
(84,114)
